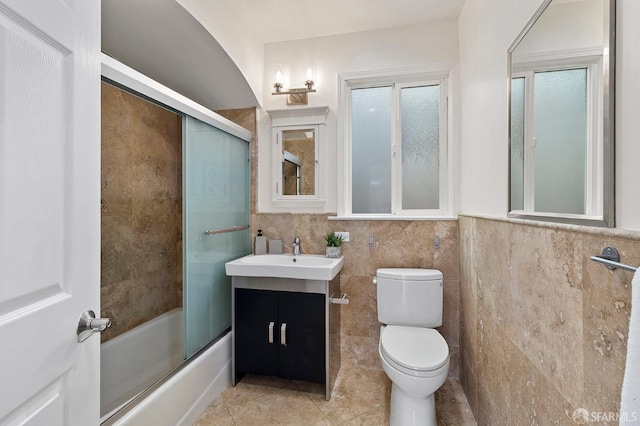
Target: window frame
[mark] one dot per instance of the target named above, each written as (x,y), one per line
(440,74)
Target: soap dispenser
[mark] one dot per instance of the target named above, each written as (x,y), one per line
(260,243)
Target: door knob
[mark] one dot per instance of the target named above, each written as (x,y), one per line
(89,324)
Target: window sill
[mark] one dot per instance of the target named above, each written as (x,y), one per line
(392,217)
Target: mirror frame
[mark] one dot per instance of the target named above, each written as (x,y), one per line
(607,219)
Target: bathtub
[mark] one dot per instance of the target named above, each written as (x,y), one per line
(133,361)
(149,352)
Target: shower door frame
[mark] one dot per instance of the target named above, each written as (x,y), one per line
(132,80)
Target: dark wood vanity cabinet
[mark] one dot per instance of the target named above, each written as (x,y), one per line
(280,333)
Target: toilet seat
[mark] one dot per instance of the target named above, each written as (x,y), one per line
(416,351)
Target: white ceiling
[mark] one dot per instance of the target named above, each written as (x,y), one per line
(282,20)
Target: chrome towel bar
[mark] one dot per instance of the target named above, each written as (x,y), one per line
(225,230)
(611,259)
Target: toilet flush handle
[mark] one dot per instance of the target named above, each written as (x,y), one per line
(375,280)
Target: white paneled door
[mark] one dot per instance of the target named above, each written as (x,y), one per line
(49,210)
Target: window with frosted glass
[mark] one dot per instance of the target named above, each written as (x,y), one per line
(560,110)
(371,131)
(420,129)
(517,143)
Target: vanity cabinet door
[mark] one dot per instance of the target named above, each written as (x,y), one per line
(255,353)
(303,356)
(295,349)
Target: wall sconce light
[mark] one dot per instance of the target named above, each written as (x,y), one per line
(295,96)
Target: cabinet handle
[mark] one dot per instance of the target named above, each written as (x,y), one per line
(283,334)
(271,324)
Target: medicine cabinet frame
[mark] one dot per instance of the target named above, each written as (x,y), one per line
(290,120)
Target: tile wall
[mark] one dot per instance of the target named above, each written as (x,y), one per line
(543,328)
(141,213)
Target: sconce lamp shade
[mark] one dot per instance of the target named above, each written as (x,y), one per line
(295,96)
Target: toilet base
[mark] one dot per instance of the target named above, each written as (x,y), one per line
(408,410)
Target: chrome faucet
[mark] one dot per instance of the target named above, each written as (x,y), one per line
(296,246)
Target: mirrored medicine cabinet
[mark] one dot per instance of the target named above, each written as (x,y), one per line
(297,137)
(561,123)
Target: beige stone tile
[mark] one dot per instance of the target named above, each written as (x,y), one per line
(607,309)
(285,226)
(282,407)
(469,382)
(243,392)
(450,328)
(454,363)
(356,316)
(374,325)
(491,256)
(360,351)
(510,389)
(154,244)
(356,251)
(216,413)
(376,417)
(452,408)
(116,257)
(361,396)
(116,159)
(542,311)
(405,244)
(446,258)
(469,356)
(245,117)
(357,391)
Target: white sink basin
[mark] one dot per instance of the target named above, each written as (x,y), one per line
(303,266)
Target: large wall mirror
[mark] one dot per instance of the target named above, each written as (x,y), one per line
(561,128)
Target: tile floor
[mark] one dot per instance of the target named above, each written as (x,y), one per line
(360,397)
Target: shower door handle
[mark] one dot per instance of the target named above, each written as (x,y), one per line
(88,325)
(271,324)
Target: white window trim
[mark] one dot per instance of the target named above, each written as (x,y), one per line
(590,58)
(446,73)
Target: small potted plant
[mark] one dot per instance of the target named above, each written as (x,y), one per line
(334,241)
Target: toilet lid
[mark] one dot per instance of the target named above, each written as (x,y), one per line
(414,347)
(409,274)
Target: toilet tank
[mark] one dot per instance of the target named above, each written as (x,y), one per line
(410,296)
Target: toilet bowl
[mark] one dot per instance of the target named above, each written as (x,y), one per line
(417,362)
(412,352)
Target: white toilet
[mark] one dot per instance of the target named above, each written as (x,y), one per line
(413,354)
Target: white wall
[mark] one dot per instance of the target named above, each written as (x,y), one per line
(566,26)
(487,28)
(234,36)
(627,113)
(362,51)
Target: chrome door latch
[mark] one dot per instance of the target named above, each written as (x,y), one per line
(89,324)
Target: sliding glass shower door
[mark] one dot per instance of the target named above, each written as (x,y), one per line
(215,227)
